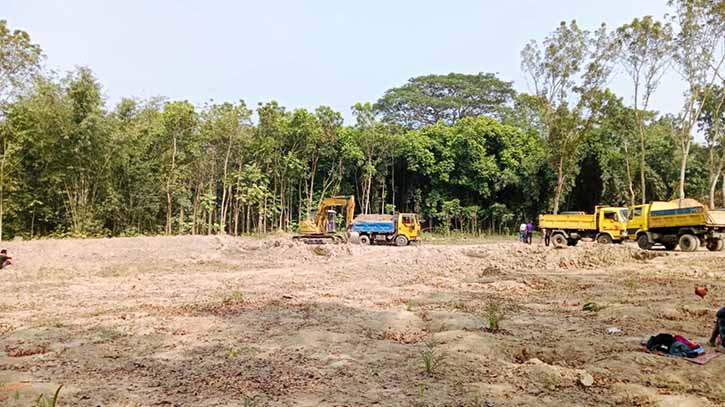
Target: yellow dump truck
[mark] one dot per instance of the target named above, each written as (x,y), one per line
(686,222)
(605,225)
(399,229)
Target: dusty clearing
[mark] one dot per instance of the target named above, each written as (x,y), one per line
(219,321)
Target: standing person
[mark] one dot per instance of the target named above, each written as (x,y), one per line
(522,233)
(547,237)
(719,328)
(529,232)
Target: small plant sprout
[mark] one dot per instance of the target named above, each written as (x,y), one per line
(432,357)
(43,401)
(494,314)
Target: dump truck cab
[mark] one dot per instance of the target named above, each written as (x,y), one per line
(409,226)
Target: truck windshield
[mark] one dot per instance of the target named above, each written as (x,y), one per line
(623,214)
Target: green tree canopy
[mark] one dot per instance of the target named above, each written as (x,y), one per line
(428,99)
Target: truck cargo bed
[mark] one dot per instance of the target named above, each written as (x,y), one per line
(568,222)
(374,224)
(673,214)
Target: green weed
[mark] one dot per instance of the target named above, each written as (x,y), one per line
(433,359)
(494,314)
(234,298)
(631,284)
(45,402)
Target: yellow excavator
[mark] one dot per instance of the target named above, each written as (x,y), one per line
(323,229)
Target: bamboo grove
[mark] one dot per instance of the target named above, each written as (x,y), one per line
(467,152)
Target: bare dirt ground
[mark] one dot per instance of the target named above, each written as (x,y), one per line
(221,321)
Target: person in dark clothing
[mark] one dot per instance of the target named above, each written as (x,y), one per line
(5,259)
(719,328)
(529,232)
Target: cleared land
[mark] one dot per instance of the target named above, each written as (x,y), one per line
(219,321)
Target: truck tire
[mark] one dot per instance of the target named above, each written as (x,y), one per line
(643,242)
(559,240)
(604,239)
(715,245)
(364,239)
(401,241)
(689,243)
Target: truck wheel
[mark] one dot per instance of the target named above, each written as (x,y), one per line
(401,241)
(559,240)
(689,243)
(364,239)
(715,245)
(643,242)
(604,239)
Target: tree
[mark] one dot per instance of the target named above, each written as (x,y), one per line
(19,60)
(712,123)
(372,143)
(699,56)
(425,100)
(644,50)
(179,121)
(570,68)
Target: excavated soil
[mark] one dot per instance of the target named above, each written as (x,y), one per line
(222,321)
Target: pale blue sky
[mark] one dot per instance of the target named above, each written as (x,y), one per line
(302,53)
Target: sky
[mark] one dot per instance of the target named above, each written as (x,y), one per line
(304,53)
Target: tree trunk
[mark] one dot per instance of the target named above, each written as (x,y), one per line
(713,186)
(559,185)
(686,141)
(629,175)
(169,179)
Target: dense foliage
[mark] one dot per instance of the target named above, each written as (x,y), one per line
(466,152)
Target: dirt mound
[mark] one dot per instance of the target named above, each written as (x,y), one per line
(501,258)
(595,255)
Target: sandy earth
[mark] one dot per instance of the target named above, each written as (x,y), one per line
(221,321)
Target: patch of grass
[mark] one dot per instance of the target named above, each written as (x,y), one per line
(233,353)
(631,284)
(494,314)
(592,306)
(433,359)
(234,298)
(43,401)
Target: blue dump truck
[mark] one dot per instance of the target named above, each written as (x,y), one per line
(399,229)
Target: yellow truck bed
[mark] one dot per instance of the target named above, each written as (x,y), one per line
(677,213)
(568,222)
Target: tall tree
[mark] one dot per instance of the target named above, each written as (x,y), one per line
(712,124)
(179,121)
(644,50)
(570,67)
(425,100)
(19,60)
(699,56)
